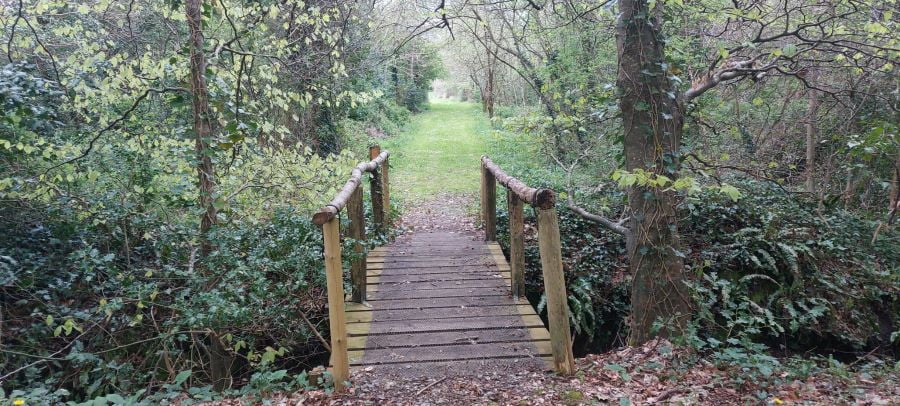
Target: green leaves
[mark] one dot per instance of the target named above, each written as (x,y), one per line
(789,50)
(642,178)
(182,377)
(732,192)
(68,327)
(723,52)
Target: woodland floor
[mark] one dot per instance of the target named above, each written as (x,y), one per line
(435,175)
(651,374)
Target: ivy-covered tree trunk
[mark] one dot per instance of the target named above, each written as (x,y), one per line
(652,123)
(395,80)
(202,125)
(219,359)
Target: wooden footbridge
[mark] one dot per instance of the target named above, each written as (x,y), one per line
(442,303)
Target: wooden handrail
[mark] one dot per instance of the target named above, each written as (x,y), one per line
(544,202)
(340,200)
(351,197)
(541,198)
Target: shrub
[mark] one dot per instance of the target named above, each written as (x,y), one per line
(790,274)
(595,277)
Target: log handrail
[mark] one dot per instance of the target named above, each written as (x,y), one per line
(544,202)
(340,200)
(351,197)
(541,198)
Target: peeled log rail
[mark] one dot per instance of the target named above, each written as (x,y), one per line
(332,209)
(540,198)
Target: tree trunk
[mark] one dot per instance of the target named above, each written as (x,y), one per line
(202,124)
(894,199)
(395,79)
(812,138)
(850,187)
(489,87)
(652,122)
(220,360)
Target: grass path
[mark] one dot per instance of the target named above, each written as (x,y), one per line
(439,153)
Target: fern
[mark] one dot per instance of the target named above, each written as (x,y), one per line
(753,276)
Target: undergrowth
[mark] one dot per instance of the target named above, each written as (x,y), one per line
(771,274)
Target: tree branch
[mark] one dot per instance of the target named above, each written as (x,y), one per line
(115,123)
(614,226)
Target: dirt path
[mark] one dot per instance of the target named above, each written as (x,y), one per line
(653,374)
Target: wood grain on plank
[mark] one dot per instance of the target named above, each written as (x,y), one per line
(438,313)
(444,276)
(443,299)
(436,284)
(492,300)
(450,352)
(449,337)
(475,368)
(415,326)
(397,268)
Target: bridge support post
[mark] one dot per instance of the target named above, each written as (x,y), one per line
(555,288)
(516,243)
(358,232)
(489,203)
(334,278)
(386,190)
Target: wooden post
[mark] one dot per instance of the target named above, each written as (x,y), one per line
(555,289)
(386,190)
(357,232)
(516,243)
(335,281)
(377,194)
(489,204)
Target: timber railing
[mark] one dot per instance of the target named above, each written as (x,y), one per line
(544,203)
(351,196)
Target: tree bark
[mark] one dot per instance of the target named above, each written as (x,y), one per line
(812,138)
(219,359)
(652,122)
(202,124)
(395,79)
(489,87)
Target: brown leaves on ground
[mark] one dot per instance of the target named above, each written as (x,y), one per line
(655,373)
(448,212)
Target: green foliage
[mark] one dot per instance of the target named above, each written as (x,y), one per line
(768,268)
(594,259)
(104,293)
(593,266)
(27,100)
(411,72)
(774,266)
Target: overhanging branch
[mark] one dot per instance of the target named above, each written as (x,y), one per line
(617,227)
(614,226)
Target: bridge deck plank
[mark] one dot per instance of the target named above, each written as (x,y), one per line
(440,303)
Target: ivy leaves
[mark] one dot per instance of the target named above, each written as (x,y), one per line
(688,185)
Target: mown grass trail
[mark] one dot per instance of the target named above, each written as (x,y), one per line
(439,152)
